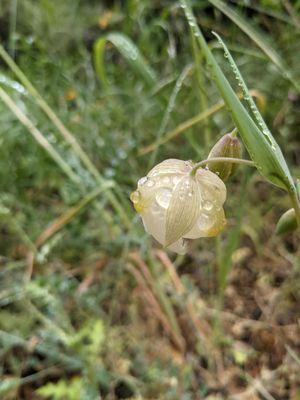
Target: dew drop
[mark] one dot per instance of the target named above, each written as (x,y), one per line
(205,221)
(157,211)
(207,205)
(142,181)
(150,182)
(163,197)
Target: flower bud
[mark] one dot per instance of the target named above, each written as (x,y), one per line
(227,146)
(286,223)
(177,207)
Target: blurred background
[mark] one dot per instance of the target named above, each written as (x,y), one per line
(93,93)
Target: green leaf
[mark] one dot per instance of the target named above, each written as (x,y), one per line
(129,51)
(262,147)
(258,38)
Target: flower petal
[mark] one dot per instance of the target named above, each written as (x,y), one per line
(155,227)
(183,210)
(208,225)
(211,186)
(171,166)
(180,247)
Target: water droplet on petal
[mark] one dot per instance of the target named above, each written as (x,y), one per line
(150,182)
(142,181)
(207,205)
(158,211)
(205,221)
(163,197)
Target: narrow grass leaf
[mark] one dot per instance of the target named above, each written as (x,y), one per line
(129,51)
(246,93)
(264,152)
(189,123)
(170,107)
(258,38)
(43,142)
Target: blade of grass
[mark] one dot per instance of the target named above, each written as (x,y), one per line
(259,119)
(169,109)
(224,254)
(12,25)
(129,51)
(6,214)
(39,136)
(67,216)
(155,305)
(189,123)
(201,92)
(247,96)
(258,38)
(267,156)
(66,134)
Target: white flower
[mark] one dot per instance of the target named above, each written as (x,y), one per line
(176,206)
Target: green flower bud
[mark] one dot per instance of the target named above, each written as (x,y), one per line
(287,222)
(227,146)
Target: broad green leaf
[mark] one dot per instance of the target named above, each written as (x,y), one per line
(263,150)
(258,38)
(129,51)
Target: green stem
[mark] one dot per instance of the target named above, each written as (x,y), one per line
(68,136)
(222,159)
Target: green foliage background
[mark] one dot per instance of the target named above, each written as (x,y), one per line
(74,323)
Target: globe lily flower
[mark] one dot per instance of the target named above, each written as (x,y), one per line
(178,203)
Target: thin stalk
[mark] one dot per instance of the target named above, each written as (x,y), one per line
(12,26)
(67,135)
(38,136)
(183,126)
(49,112)
(231,160)
(170,107)
(201,93)
(68,215)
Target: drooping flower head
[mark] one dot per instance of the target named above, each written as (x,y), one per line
(176,206)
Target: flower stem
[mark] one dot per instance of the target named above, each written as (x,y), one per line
(221,159)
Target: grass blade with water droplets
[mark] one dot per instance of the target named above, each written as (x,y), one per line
(258,38)
(268,160)
(129,51)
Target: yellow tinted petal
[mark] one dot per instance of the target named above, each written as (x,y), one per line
(171,166)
